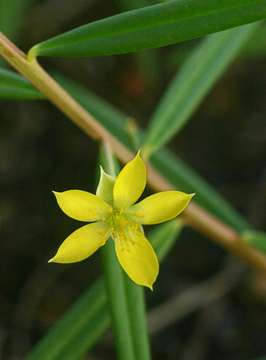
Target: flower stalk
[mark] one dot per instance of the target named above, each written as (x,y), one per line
(117,303)
(130,324)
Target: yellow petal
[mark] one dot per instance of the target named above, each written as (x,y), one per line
(160,207)
(130,183)
(82,243)
(136,255)
(82,205)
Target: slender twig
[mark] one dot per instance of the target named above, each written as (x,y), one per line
(195,216)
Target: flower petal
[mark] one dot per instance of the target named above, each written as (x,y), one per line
(160,207)
(82,243)
(136,255)
(130,183)
(82,205)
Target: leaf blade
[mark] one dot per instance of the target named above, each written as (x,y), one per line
(152,26)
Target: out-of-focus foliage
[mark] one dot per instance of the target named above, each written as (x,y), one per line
(256,239)
(199,73)
(13,86)
(12,16)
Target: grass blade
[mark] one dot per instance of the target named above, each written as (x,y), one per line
(152,26)
(200,71)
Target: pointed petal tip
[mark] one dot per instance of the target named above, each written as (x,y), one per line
(51,260)
(150,285)
(104,173)
(102,169)
(130,182)
(190,197)
(57,195)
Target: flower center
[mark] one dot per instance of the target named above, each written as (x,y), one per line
(120,223)
(118,220)
(124,230)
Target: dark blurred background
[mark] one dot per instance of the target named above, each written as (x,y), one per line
(41,151)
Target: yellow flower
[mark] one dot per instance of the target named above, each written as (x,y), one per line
(113,212)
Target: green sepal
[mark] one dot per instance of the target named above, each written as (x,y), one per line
(105,187)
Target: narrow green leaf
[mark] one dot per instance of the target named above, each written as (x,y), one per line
(170,231)
(133,294)
(87,320)
(117,303)
(152,26)
(138,324)
(86,315)
(205,65)
(13,86)
(162,238)
(256,46)
(121,292)
(256,239)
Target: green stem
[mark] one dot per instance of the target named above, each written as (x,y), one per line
(133,295)
(137,313)
(117,302)
(115,286)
